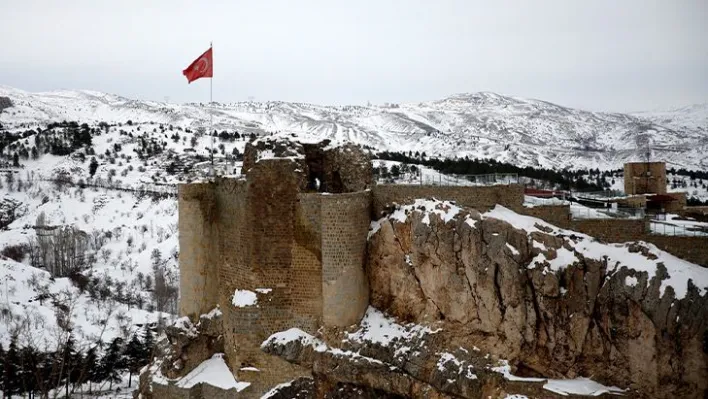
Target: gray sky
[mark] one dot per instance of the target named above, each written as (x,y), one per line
(596,54)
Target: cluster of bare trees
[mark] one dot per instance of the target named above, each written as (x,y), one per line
(59,249)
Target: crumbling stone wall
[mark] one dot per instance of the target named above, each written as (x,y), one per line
(634,201)
(678,205)
(307,262)
(482,198)
(345,288)
(346,169)
(233,265)
(232,230)
(328,168)
(198,264)
(270,213)
(272,148)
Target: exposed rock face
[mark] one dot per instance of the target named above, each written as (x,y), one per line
(304,388)
(546,299)
(5,102)
(184,347)
(396,361)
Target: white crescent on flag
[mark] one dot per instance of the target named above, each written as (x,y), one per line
(203,65)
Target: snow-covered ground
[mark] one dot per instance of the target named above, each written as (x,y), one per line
(674,225)
(118,162)
(577,386)
(121,389)
(214,372)
(43,325)
(126,235)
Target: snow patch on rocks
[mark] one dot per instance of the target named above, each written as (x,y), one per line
(445,210)
(214,372)
(376,327)
(679,271)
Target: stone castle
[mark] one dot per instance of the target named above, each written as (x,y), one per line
(292,232)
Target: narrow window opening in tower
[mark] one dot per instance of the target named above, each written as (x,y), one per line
(314,157)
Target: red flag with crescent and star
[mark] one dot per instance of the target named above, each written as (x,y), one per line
(202,67)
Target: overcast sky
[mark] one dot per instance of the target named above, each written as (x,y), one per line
(596,54)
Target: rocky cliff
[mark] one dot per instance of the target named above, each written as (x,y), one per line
(553,302)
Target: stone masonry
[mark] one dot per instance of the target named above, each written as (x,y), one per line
(300,252)
(645,178)
(198,272)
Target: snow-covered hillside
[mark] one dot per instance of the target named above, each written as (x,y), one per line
(521,131)
(689,117)
(127,239)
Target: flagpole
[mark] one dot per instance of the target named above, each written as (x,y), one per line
(211,116)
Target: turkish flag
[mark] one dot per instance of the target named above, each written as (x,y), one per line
(202,67)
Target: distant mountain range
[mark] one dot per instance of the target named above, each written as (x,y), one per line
(521,131)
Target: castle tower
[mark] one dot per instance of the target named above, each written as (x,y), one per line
(198,263)
(645,178)
(298,254)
